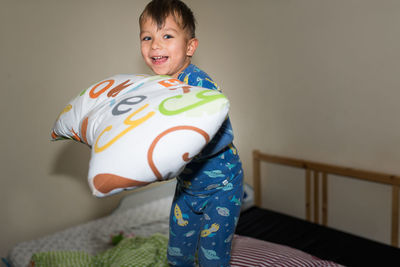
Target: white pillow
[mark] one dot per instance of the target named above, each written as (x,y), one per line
(248,251)
(141,128)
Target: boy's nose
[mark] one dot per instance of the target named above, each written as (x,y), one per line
(155,44)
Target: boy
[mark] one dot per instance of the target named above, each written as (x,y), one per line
(207,200)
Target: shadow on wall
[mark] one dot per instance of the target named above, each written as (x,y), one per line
(71,163)
(72,160)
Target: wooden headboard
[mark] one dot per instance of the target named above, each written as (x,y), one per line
(316,170)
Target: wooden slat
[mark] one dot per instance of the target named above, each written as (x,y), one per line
(395,216)
(257,178)
(282,160)
(316,197)
(308,195)
(333,169)
(324,199)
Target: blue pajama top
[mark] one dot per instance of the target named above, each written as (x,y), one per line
(218,161)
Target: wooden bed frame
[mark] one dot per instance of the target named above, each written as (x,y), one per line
(313,170)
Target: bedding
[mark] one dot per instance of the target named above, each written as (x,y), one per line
(133,251)
(94,237)
(141,129)
(248,251)
(152,251)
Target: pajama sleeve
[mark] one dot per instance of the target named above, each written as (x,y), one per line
(193,76)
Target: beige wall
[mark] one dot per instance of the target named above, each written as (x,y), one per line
(312,79)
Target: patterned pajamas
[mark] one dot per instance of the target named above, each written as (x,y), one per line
(206,205)
(214,216)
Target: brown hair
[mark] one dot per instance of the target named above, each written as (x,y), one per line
(159,10)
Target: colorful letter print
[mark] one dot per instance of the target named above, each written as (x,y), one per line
(141,129)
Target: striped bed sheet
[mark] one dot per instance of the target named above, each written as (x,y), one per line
(252,252)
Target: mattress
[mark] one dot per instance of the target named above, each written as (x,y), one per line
(323,242)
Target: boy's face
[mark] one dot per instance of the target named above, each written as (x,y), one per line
(166,51)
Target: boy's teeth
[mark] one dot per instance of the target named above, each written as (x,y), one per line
(158,57)
(159,60)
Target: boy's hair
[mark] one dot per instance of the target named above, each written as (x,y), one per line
(159,10)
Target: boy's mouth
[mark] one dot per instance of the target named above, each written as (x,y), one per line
(159,59)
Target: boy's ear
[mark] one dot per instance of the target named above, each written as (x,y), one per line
(192,46)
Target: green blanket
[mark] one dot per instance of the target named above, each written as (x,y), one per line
(130,252)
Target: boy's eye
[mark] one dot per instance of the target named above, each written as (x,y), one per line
(168,36)
(146,38)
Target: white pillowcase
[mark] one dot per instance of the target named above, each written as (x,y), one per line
(140,128)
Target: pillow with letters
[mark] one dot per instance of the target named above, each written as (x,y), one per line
(140,128)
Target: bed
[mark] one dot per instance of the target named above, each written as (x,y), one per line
(263,237)
(312,235)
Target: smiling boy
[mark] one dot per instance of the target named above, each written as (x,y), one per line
(167,47)
(206,205)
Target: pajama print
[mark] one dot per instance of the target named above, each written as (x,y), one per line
(207,200)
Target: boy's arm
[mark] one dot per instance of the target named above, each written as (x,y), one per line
(222,139)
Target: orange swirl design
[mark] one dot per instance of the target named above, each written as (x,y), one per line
(106,182)
(185,156)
